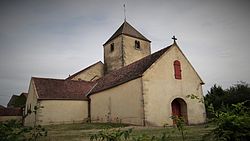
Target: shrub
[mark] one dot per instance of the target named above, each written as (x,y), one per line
(233,124)
(180,124)
(111,135)
(14,131)
(119,135)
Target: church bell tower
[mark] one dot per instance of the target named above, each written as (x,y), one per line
(124,47)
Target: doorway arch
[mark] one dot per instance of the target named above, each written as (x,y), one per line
(179,109)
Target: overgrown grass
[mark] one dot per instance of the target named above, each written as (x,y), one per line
(82,132)
(85,126)
(191,133)
(76,132)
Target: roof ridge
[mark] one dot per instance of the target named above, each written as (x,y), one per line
(46,78)
(65,80)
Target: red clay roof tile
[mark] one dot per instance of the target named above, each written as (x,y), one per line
(11,112)
(62,89)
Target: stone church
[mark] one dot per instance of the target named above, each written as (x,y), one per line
(132,86)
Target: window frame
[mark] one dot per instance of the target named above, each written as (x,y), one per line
(177,69)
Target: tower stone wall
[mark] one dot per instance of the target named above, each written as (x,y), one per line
(124,47)
(131,53)
(113,58)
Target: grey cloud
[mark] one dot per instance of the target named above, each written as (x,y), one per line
(55,38)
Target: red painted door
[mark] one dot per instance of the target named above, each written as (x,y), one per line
(176,109)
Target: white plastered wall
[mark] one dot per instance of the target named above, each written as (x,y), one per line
(62,111)
(122,103)
(29,119)
(160,88)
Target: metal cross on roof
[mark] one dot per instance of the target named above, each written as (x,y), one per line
(174,38)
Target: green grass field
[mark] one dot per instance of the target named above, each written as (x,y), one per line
(82,132)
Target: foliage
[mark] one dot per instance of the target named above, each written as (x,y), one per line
(180,124)
(14,131)
(11,131)
(83,131)
(118,135)
(233,124)
(144,137)
(195,97)
(111,135)
(37,131)
(229,110)
(221,99)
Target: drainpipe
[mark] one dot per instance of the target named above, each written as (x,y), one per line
(143,105)
(89,112)
(89,101)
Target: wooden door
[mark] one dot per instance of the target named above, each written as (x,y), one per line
(176,109)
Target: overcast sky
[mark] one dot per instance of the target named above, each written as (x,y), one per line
(55,38)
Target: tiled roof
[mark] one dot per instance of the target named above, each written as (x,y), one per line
(62,89)
(11,112)
(2,107)
(127,73)
(75,74)
(128,30)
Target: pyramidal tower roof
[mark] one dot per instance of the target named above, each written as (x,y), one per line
(127,29)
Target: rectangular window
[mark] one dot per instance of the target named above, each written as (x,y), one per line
(112,47)
(137,44)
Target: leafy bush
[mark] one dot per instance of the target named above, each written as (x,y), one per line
(145,137)
(111,135)
(233,124)
(119,135)
(229,109)
(14,131)
(180,124)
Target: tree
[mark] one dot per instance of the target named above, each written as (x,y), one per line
(229,109)
(219,99)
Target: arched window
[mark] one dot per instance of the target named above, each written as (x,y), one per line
(177,69)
